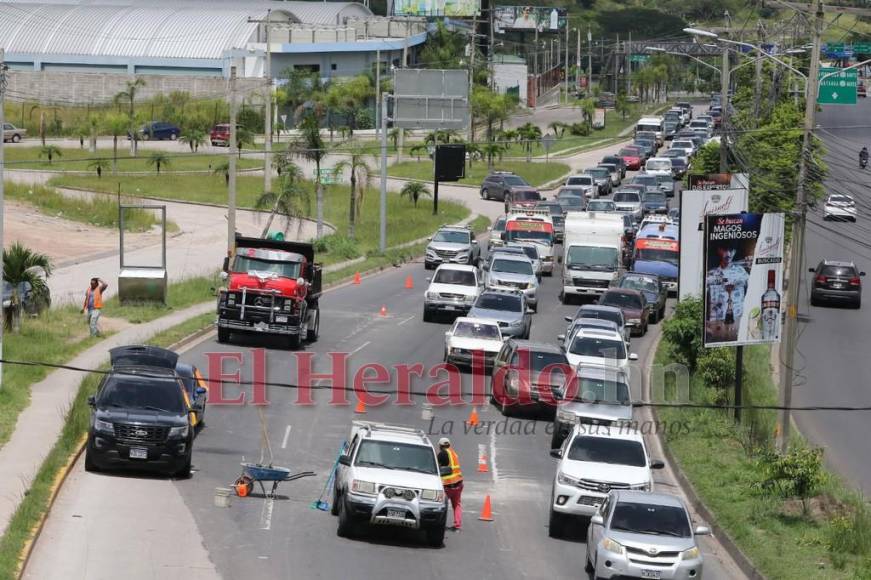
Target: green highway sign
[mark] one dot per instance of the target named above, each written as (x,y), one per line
(639,57)
(862,48)
(837,87)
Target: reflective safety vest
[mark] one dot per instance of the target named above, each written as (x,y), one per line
(98,297)
(456,475)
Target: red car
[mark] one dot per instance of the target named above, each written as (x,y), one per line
(220,135)
(525,375)
(631,157)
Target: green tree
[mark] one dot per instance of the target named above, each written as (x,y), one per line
(128,96)
(443,49)
(291,201)
(414,190)
(393,135)
(683,331)
(418,150)
(310,146)
(222,168)
(622,106)
(588,109)
(98,165)
(116,125)
(50,152)
(529,134)
(350,96)
(194,137)
(158,159)
(490,108)
(21,265)
(243,137)
(707,160)
(360,174)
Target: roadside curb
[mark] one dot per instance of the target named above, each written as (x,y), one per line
(723,538)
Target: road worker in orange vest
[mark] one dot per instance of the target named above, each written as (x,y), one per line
(93,304)
(454,482)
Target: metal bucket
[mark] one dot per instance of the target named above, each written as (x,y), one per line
(222,497)
(426,412)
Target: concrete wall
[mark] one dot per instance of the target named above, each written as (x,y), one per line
(509,76)
(85,87)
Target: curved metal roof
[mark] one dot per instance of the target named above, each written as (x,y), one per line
(162,29)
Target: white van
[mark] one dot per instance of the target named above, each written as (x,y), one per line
(654,124)
(658,166)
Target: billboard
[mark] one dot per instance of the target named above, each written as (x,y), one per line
(430,98)
(743,278)
(694,206)
(709,181)
(457,8)
(520,18)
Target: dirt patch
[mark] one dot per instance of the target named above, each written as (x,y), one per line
(821,508)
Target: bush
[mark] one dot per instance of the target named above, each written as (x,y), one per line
(364,119)
(799,473)
(717,368)
(251,119)
(338,245)
(851,533)
(579,129)
(684,331)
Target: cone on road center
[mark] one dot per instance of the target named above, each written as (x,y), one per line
(409,283)
(361,407)
(482,464)
(357,279)
(473,417)
(487,511)
(383,311)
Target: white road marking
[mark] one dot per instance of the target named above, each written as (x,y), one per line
(406,320)
(286,435)
(361,347)
(266,514)
(494,471)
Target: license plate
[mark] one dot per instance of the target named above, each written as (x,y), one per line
(837,285)
(651,573)
(261,326)
(281,319)
(138,453)
(450,307)
(396,514)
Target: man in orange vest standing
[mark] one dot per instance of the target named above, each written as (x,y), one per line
(93,304)
(454,482)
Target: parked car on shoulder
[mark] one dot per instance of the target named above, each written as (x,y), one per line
(157,131)
(13,133)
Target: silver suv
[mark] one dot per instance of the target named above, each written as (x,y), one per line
(513,272)
(452,244)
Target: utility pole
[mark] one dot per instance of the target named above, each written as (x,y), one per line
(472,51)
(757,85)
(578,62)
(490,54)
(377,88)
(589,62)
(628,65)
(382,244)
(267,147)
(616,63)
(566,64)
(724,101)
(231,182)
(2,194)
(787,353)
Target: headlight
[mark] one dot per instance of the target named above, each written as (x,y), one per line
(179,431)
(432,495)
(641,487)
(432,295)
(691,554)
(363,487)
(566,417)
(104,426)
(288,305)
(612,546)
(634,321)
(463,252)
(469,298)
(431,253)
(231,298)
(564,479)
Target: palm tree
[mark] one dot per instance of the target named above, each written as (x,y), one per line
(441,136)
(194,138)
(393,135)
(291,201)
(116,125)
(621,105)
(310,146)
(22,265)
(128,95)
(492,150)
(97,165)
(588,108)
(360,176)
(414,190)
(50,151)
(223,168)
(418,150)
(243,137)
(529,133)
(558,128)
(158,159)
(474,151)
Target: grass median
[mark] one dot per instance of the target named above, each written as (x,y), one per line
(825,535)
(536,173)
(73,159)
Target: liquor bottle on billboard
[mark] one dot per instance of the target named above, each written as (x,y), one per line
(771,309)
(554,19)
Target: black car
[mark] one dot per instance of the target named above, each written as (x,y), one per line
(837,281)
(498,184)
(616,160)
(141,416)
(158,131)
(648,146)
(678,167)
(654,202)
(654,291)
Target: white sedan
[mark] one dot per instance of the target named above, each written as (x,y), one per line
(469,336)
(839,207)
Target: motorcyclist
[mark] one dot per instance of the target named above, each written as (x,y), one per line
(863,156)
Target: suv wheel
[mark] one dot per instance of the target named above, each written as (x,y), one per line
(334,509)
(90,466)
(345,528)
(435,536)
(223,335)
(427,315)
(555,524)
(16,138)
(184,471)
(485,194)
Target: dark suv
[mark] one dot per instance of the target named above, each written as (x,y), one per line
(142,416)
(837,281)
(499,184)
(158,131)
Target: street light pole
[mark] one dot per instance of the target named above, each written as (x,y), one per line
(589,62)
(2,194)
(231,163)
(267,146)
(566,64)
(724,101)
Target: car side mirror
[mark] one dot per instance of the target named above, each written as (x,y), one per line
(429,279)
(489,228)
(345,460)
(224,275)
(226,265)
(567,318)
(92,401)
(561,337)
(201,391)
(811,270)
(656,464)
(633,356)
(556,453)
(703,531)
(861,273)
(448,333)
(474,242)
(597,520)
(445,470)
(429,239)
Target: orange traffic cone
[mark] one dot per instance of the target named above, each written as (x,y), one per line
(360,409)
(473,417)
(487,511)
(383,311)
(482,460)
(409,283)
(357,279)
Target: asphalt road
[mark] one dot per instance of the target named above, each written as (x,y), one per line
(833,348)
(262,539)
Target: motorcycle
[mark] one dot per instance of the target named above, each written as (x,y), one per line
(863,162)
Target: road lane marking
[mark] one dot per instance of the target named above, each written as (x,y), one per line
(361,347)
(266,514)
(494,471)
(406,320)
(286,435)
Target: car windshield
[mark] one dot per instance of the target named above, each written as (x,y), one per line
(607,450)
(517,235)
(621,300)
(539,361)
(611,160)
(580,180)
(499,226)
(515,181)
(629,153)
(646,180)
(599,172)
(506,302)
(665,179)
(130,392)
(451,237)
(511,266)
(838,271)
(614,316)
(458,277)
(647,518)
(840,199)
(601,205)
(393,455)
(657,255)
(682,145)
(678,162)
(598,347)
(652,197)
(554,208)
(639,283)
(644,127)
(592,258)
(530,251)
(626,196)
(658,164)
(572,202)
(249,264)
(477,330)
(527,196)
(590,390)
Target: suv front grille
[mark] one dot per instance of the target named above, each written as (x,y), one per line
(449,296)
(141,433)
(445,254)
(591,283)
(599,486)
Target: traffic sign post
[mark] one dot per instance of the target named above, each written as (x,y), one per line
(640,58)
(837,87)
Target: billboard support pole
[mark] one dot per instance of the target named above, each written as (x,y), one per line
(435,180)
(739,381)
(382,245)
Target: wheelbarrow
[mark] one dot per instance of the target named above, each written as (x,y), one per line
(255,472)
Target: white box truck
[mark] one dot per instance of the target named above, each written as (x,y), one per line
(592,253)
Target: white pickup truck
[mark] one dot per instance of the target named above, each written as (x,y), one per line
(389,475)
(592,251)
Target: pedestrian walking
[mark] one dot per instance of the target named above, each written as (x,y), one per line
(454,481)
(93,304)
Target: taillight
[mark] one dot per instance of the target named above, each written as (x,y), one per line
(855,281)
(821,279)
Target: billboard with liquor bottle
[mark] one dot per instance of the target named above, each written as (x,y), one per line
(743,280)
